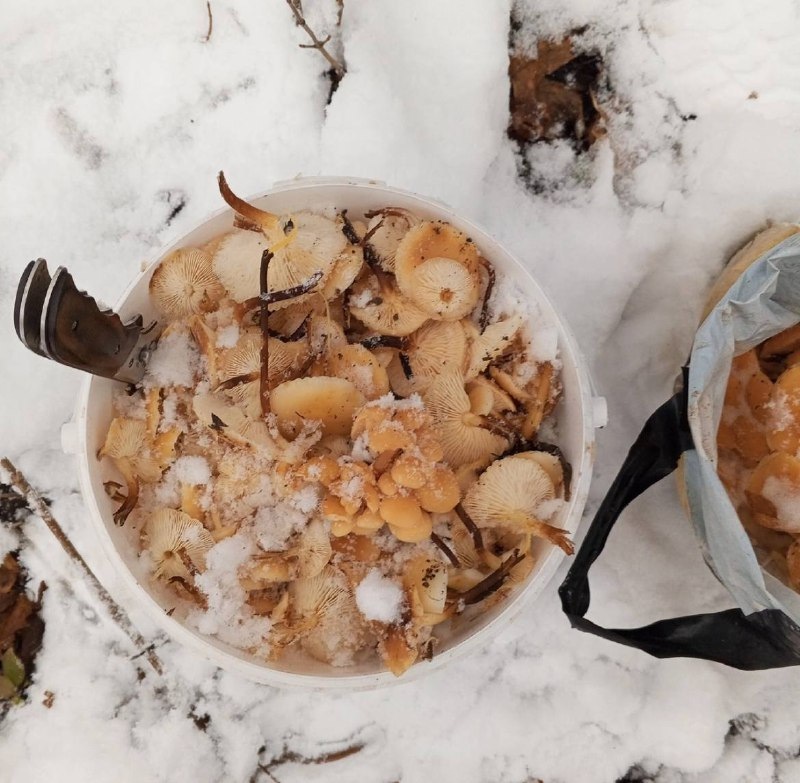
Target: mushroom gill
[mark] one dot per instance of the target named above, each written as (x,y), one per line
(461,432)
(184,283)
(177,544)
(509,494)
(438,268)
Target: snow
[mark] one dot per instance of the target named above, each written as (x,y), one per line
(228,336)
(379,598)
(114,129)
(192,470)
(174,362)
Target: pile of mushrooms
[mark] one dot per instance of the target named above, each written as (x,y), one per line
(357,361)
(758,442)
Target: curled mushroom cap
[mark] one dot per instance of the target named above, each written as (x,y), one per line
(550,463)
(487,397)
(331,401)
(460,431)
(318,596)
(185,283)
(508,495)
(437,268)
(382,308)
(177,543)
(385,230)
(491,343)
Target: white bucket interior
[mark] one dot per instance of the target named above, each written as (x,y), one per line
(575,436)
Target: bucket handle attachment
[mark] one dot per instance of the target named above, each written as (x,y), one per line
(762,640)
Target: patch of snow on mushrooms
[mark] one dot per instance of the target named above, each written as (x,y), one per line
(379,598)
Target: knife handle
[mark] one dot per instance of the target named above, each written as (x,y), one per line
(77,332)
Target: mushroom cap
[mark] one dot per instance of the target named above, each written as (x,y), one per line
(313,550)
(237,263)
(125,438)
(437,268)
(184,283)
(215,412)
(784,435)
(388,227)
(549,463)
(444,288)
(489,345)
(356,364)
(324,334)
(331,401)
(385,310)
(507,492)
(463,439)
(777,473)
(428,578)
(206,340)
(172,534)
(321,595)
(437,347)
(487,397)
(345,271)
(245,358)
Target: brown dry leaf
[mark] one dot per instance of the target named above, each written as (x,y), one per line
(553,95)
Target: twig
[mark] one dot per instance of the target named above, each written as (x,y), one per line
(449,554)
(38,505)
(470,525)
(338,68)
(266,257)
(493,581)
(210,22)
(291,757)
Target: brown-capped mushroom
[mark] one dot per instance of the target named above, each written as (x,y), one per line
(184,283)
(508,495)
(177,544)
(356,364)
(438,268)
(460,431)
(331,401)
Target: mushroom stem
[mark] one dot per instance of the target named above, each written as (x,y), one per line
(266,257)
(132,485)
(493,581)
(349,230)
(265,220)
(538,403)
(238,380)
(405,363)
(469,524)
(449,554)
(555,535)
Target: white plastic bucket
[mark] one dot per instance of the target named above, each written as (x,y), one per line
(579,413)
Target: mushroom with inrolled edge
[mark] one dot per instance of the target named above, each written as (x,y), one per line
(177,544)
(508,494)
(185,283)
(438,268)
(461,432)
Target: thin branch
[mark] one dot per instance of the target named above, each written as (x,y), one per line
(338,68)
(40,508)
(210,22)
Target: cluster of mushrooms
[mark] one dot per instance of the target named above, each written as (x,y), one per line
(758,442)
(366,366)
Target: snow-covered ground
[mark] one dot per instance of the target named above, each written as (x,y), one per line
(114,120)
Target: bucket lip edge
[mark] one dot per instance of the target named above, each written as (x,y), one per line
(253,671)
